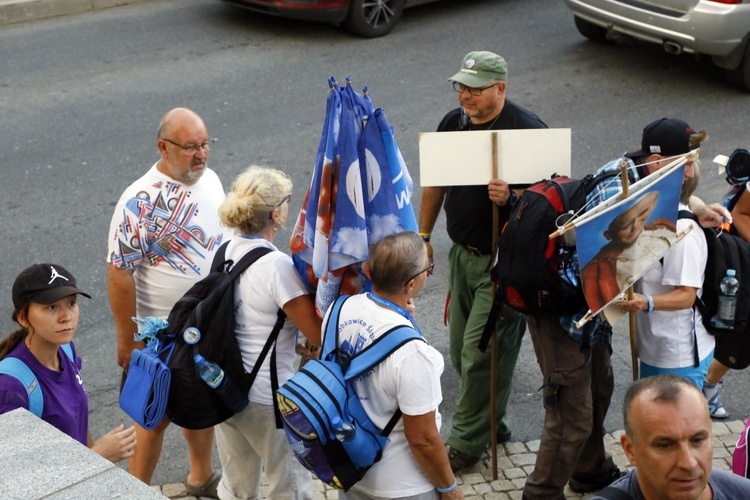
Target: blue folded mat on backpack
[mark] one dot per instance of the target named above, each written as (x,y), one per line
(146,391)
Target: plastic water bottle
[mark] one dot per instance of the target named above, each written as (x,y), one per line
(728,298)
(345,432)
(213,376)
(353,442)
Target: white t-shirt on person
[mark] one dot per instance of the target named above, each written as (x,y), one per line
(167,233)
(259,292)
(408,379)
(666,338)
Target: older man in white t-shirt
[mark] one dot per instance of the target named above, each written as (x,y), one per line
(163,236)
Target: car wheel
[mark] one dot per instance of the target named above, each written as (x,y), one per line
(592,31)
(741,76)
(373,18)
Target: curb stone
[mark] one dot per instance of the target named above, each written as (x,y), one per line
(19,11)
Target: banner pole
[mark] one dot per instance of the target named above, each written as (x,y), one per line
(631,316)
(493,351)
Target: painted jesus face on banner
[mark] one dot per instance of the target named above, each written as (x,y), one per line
(628,226)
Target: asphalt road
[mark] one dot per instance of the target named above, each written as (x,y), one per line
(81,97)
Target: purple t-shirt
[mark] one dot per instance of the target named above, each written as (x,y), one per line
(66,404)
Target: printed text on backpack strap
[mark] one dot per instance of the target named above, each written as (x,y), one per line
(20,371)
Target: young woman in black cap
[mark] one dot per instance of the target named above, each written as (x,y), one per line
(39,368)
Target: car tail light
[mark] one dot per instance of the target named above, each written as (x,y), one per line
(727,1)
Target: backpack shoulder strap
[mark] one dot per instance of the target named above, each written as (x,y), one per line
(371,355)
(330,333)
(590,181)
(20,371)
(380,349)
(219,256)
(235,271)
(687,214)
(68,350)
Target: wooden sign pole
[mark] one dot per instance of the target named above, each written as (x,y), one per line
(493,362)
(631,316)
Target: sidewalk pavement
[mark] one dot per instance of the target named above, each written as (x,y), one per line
(514,462)
(18,11)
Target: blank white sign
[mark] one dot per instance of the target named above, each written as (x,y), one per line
(465,158)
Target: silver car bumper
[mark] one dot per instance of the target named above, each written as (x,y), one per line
(706,27)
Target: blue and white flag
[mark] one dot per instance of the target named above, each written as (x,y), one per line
(389,185)
(360,192)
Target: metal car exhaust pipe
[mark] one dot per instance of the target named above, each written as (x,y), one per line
(672,48)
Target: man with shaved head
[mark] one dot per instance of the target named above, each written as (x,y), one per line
(668,438)
(162,239)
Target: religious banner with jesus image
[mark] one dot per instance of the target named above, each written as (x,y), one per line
(619,243)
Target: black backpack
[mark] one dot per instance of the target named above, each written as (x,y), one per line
(537,275)
(737,176)
(726,251)
(208,306)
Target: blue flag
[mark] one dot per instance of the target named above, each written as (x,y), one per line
(360,192)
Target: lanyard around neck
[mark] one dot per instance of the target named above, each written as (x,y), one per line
(395,307)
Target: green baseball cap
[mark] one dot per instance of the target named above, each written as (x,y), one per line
(479,68)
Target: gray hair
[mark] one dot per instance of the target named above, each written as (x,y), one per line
(255,193)
(396,259)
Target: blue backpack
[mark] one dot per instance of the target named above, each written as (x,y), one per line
(21,372)
(321,394)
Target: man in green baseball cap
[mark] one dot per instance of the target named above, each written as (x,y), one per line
(480,84)
(480,68)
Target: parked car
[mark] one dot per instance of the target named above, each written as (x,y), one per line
(717,28)
(366,18)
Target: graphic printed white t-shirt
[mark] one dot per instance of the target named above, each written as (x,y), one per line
(167,233)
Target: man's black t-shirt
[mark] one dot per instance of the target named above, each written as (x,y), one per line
(468,209)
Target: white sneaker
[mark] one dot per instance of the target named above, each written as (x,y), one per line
(713,396)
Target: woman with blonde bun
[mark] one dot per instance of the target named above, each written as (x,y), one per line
(257,207)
